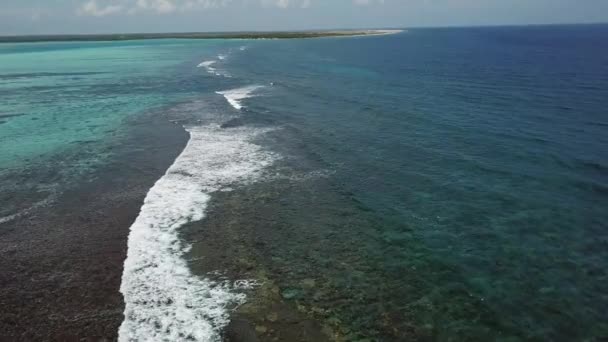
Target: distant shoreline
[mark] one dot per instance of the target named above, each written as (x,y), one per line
(217,35)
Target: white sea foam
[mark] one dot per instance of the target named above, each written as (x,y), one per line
(221,57)
(8,218)
(208,65)
(164,301)
(243,48)
(235,96)
(44,202)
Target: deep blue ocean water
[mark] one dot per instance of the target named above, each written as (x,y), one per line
(483,153)
(464,171)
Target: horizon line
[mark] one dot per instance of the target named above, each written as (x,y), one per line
(312,30)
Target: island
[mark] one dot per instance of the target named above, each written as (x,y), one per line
(195,35)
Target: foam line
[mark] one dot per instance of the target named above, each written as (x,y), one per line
(164,301)
(5,219)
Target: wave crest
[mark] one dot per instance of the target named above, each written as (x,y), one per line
(235,96)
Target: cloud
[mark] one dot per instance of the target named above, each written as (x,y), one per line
(91,8)
(286,3)
(170,6)
(159,6)
(100,8)
(367,2)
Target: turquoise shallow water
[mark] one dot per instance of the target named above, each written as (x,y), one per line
(70,92)
(62,104)
(440,184)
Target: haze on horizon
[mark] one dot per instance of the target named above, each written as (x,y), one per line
(22,17)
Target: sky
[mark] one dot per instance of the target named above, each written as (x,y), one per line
(125,16)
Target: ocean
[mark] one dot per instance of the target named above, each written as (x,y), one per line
(432,185)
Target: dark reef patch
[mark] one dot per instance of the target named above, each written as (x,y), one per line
(61,264)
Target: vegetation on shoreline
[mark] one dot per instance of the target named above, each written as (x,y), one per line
(192,35)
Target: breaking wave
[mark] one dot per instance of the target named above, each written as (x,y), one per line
(235,96)
(163,299)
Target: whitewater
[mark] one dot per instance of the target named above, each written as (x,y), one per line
(236,96)
(163,299)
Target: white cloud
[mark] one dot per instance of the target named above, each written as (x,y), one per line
(367,2)
(100,8)
(93,9)
(286,3)
(283,3)
(159,6)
